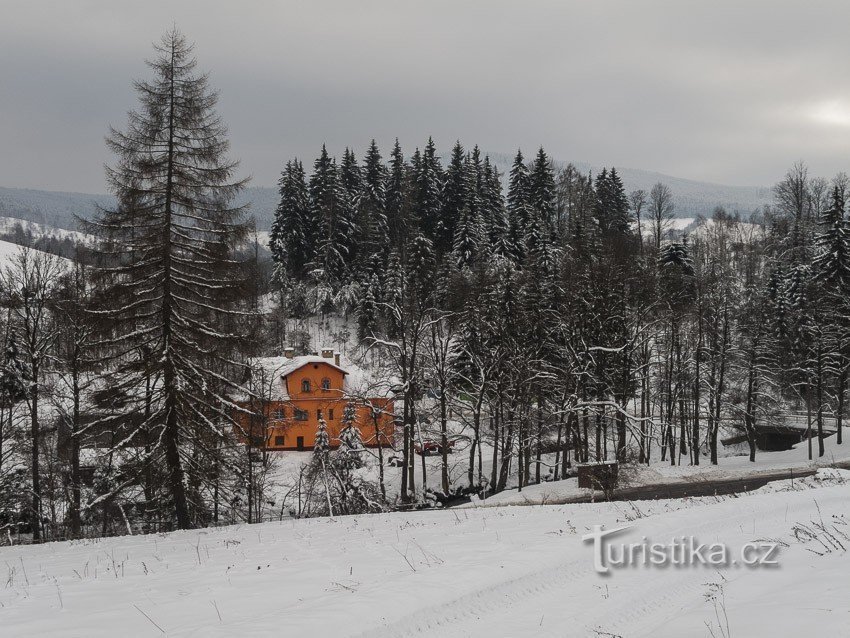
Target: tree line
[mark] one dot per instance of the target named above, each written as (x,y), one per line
(564,314)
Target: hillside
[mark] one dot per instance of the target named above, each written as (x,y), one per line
(60,210)
(509,571)
(9,251)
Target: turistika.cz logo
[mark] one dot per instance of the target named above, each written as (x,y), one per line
(680,551)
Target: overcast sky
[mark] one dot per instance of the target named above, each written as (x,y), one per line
(729,92)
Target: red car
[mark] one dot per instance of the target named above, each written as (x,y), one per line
(433,448)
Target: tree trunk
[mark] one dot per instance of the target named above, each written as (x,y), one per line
(538,451)
(841,393)
(74,509)
(496,424)
(444,441)
(36,478)
(820,375)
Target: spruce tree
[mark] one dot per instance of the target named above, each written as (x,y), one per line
(292,238)
(455,197)
(469,229)
(397,210)
(496,223)
(368,311)
(351,180)
(334,226)
(350,438)
(832,261)
(170,286)
(621,216)
(541,190)
(519,207)
(611,208)
(427,191)
(373,233)
(13,376)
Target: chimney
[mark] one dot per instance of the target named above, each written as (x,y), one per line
(336,358)
(327,353)
(288,352)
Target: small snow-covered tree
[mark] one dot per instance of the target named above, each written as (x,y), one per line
(350,438)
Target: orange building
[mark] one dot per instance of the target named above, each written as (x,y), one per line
(296,391)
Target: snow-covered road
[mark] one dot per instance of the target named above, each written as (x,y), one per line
(509,571)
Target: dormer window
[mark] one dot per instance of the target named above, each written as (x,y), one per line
(305,385)
(326,384)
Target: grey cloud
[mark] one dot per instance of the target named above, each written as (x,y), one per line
(722,91)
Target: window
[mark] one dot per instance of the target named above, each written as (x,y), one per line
(330,414)
(326,384)
(278,441)
(280,413)
(305,385)
(299,442)
(318,414)
(301,415)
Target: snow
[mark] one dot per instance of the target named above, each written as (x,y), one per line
(9,224)
(662,473)
(485,572)
(10,251)
(738,466)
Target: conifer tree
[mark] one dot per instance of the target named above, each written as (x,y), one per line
(334,226)
(519,206)
(427,191)
(541,190)
(368,311)
(397,210)
(455,197)
(292,238)
(350,437)
(496,223)
(170,285)
(351,180)
(621,216)
(832,261)
(469,239)
(373,233)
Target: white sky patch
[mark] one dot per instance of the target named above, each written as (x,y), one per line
(831,113)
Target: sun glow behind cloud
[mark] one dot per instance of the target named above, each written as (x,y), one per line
(831,113)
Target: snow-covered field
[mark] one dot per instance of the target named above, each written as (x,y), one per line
(489,572)
(9,253)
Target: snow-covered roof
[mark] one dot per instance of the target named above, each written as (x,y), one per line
(285,366)
(270,371)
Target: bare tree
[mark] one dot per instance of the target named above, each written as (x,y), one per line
(660,210)
(638,200)
(29,283)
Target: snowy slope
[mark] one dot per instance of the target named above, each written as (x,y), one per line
(59,209)
(488,572)
(9,251)
(11,224)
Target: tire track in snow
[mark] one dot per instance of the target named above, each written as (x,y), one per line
(638,595)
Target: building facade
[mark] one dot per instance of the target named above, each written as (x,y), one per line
(295,392)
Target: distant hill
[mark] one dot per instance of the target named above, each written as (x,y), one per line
(692,197)
(60,209)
